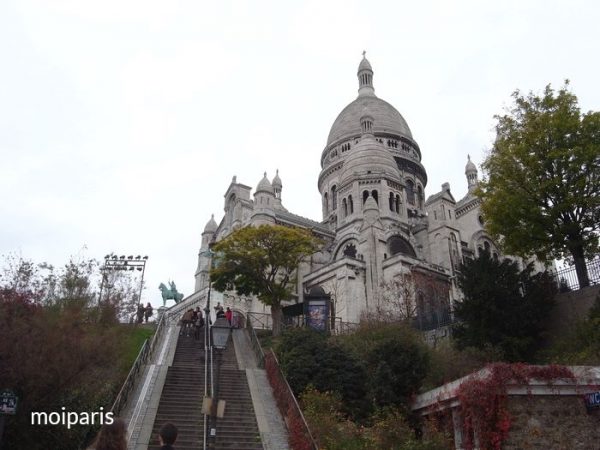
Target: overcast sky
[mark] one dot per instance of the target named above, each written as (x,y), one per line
(122,122)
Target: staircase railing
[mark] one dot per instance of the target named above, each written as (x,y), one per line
(300,436)
(256,347)
(260,320)
(143,356)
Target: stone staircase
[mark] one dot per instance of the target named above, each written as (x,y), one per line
(181,401)
(181,398)
(238,428)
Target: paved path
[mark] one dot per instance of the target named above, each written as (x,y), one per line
(141,411)
(270,423)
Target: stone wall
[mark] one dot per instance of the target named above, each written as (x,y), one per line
(552,422)
(570,308)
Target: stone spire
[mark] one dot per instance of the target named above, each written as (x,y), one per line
(471,173)
(365,78)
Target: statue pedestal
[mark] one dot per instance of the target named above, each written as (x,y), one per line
(160,311)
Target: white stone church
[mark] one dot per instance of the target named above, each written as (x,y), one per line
(377,224)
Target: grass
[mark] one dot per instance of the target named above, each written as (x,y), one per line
(133,339)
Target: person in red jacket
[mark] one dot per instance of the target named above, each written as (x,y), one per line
(229,315)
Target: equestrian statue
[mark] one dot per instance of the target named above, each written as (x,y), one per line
(170,294)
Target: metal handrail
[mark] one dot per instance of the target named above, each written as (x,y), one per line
(262,319)
(144,354)
(131,379)
(294,405)
(256,347)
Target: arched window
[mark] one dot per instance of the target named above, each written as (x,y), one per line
(365,196)
(375,196)
(391,201)
(345,207)
(333,198)
(410,192)
(420,195)
(351,204)
(398,244)
(453,244)
(350,250)
(326,203)
(398,204)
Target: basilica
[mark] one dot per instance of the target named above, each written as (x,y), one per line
(379,229)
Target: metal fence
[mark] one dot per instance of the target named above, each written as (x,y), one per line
(567,278)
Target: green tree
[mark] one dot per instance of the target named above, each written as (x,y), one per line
(541,189)
(502,307)
(262,261)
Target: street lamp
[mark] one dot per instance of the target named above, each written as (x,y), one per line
(220,332)
(113,262)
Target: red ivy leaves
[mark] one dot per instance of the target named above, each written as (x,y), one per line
(483,400)
(296,427)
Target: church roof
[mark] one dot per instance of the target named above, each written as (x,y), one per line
(211,225)
(294,219)
(368,156)
(276,180)
(443,194)
(365,64)
(470,167)
(386,119)
(264,185)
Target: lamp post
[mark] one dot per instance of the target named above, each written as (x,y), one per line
(220,332)
(113,262)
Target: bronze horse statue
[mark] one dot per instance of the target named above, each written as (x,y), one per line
(170,294)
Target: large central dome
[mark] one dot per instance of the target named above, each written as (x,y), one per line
(386,119)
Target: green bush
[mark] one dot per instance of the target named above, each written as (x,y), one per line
(397,361)
(308,358)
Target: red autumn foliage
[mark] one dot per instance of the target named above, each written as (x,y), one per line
(299,436)
(483,400)
(52,357)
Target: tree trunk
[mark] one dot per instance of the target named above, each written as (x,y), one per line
(277,316)
(580,266)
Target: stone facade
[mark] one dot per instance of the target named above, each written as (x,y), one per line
(376,223)
(543,415)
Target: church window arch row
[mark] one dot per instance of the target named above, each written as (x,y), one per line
(392,143)
(375,196)
(345,147)
(394,202)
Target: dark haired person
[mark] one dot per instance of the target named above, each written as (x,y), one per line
(167,436)
(111,437)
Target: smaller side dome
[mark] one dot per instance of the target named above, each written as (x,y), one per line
(370,204)
(276,180)
(211,225)
(264,185)
(470,167)
(471,173)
